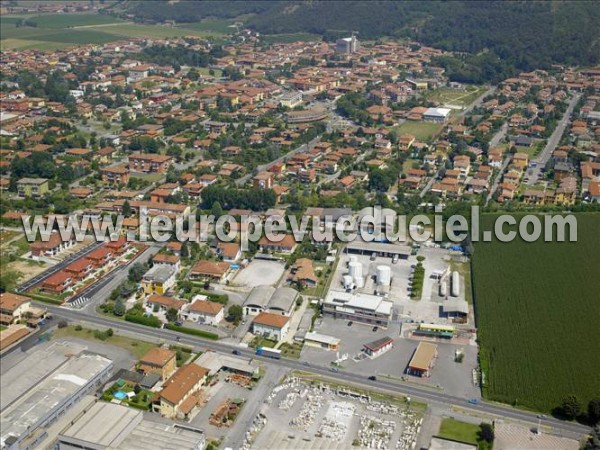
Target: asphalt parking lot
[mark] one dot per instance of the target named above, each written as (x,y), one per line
(452,377)
(259,272)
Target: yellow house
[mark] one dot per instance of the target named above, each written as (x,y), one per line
(181,392)
(159,279)
(159,360)
(520,160)
(32,187)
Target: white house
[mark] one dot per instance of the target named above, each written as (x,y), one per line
(271,326)
(204,311)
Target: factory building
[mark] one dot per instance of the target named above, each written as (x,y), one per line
(42,387)
(363,308)
(107,426)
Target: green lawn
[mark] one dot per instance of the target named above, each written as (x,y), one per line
(459,431)
(537,313)
(136,347)
(291,350)
(422,131)
(2,328)
(262,342)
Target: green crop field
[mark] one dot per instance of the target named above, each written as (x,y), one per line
(62,21)
(211,26)
(56,31)
(538,310)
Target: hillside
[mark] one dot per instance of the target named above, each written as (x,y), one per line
(508,36)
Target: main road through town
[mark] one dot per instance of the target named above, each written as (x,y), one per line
(415,392)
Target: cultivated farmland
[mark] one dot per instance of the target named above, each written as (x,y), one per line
(56,31)
(538,310)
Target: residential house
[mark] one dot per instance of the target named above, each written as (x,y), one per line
(116,175)
(286,245)
(159,279)
(159,360)
(32,187)
(13,307)
(149,162)
(163,303)
(270,326)
(205,312)
(57,283)
(210,271)
(303,274)
(180,394)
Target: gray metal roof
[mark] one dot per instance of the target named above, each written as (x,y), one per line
(260,296)
(283,299)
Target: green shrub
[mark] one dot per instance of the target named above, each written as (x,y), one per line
(192,331)
(149,321)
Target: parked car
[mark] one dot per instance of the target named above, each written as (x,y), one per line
(179,323)
(236,352)
(375,328)
(473,401)
(334,369)
(373,378)
(350,323)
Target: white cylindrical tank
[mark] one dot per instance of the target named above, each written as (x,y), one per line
(359,281)
(355,269)
(347,280)
(351,259)
(455,289)
(384,275)
(443,288)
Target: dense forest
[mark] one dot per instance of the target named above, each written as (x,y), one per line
(500,37)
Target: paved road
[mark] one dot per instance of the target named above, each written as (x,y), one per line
(552,143)
(415,392)
(98,292)
(303,148)
(494,143)
(57,267)
(494,187)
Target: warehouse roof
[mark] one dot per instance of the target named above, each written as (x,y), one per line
(423,356)
(322,338)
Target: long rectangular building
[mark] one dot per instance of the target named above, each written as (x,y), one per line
(364,308)
(44,393)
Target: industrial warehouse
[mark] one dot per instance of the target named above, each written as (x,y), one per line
(42,387)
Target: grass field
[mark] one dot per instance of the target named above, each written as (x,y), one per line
(537,315)
(422,131)
(459,431)
(458,97)
(211,26)
(56,31)
(137,348)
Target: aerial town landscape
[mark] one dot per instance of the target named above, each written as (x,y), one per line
(477,328)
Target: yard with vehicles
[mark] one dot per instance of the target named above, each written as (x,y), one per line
(537,317)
